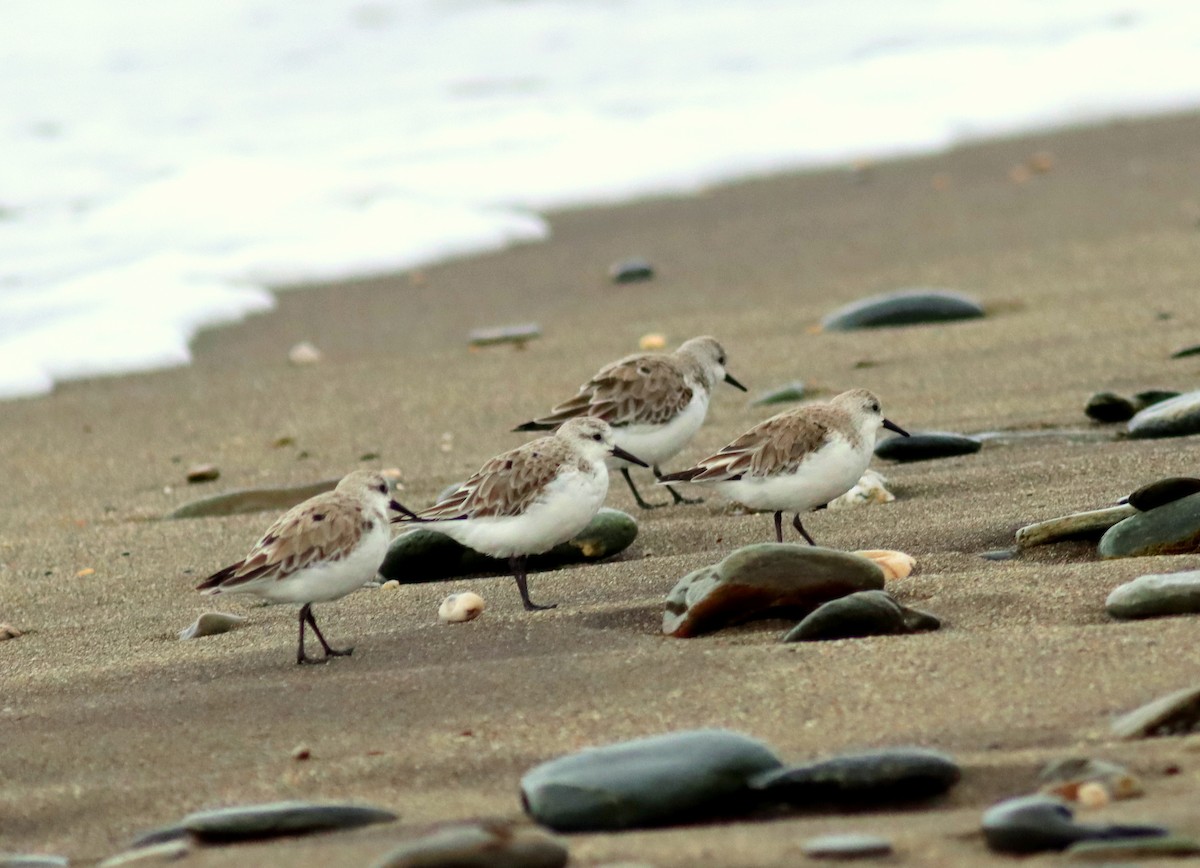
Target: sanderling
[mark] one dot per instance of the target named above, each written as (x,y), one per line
(317,551)
(532,498)
(655,403)
(798,460)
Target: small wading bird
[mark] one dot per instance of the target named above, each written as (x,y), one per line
(532,498)
(655,403)
(798,460)
(317,551)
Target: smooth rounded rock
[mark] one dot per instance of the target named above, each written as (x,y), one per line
(1147,397)
(1171,529)
(518,335)
(1184,352)
(427,556)
(479,845)
(1177,417)
(212,624)
(785,394)
(270,820)
(1109,407)
(926,446)
(904,307)
(1167,846)
(672,778)
(887,776)
(1163,491)
(32,860)
(765,580)
(1033,824)
(252,500)
(851,845)
(631,270)
(1156,595)
(1174,714)
(1079,525)
(866,613)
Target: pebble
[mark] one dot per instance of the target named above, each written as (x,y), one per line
(301,752)
(1176,713)
(999,555)
(1078,525)
(167,851)
(32,860)
(852,845)
(631,271)
(1033,824)
(1177,417)
(904,307)
(652,341)
(1171,529)
(1109,407)
(870,488)
(304,353)
(479,845)
(895,565)
(423,555)
(765,580)
(272,820)
(1162,492)
(203,473)
(1091,782)
(926,446)
(252,500)
(1156,595)
(8,631)
(785,394)
(212,624)
(457,608)
(1184,352)
(390,585)
(876,777)
(1154,396)
(513,334)
(866,613)
(1133,848)
(671,778)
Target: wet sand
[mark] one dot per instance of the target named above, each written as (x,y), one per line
(110,726)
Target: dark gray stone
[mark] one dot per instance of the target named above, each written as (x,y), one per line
(926,446)
(271,820)
(1168,846)
(32,860)
(631,271)
(519,335)
(866,613)
(851,845)
(1174,714)
(1109,407)
(904,307)
(887,776)
(1033,824)
(1156,595)
(999,555)
(423,555)
(479,845)
(1162,492)
(765,580)
(1154,396)
(252,500)
(1184,352)
(1177,417)
(1171,529)
(672,778)
(786,394)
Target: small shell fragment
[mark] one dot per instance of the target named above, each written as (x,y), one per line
(456,608)
(390,585)
(895,565)
(212,624)
(304,353)
(8,631)
(652,341)
(871,488)
(203,473)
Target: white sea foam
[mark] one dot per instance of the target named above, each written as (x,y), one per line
(165,162)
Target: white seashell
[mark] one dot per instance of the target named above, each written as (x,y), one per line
(895,565)
(457,608)
(8,631)
(211,624)
(167,851)
(871,488)
(304,353)
(390,585)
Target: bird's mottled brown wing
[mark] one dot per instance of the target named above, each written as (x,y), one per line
(777,444)
(638,390)
(505,485)
(324,528)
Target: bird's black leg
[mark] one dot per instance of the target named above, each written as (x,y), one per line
(779,527)
(644,504)
(679,498)
(517,563)
(301,657)
(307,615)
(798,526)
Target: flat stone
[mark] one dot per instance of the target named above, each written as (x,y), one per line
(999,555)
(926,446)
(1171,529)
(212,624)
(519,335)
(866,613)
(1163,491)
(1154,396)
(1079,525)
(154,854)
(1155,595)
(32,860)
(423,555)
(765,580)
(904,307)
(1133,848)
(664,779)
(1176,713)
(1177,417)
(1184,352)
(852,845)
(785,394)
(1033,824)
(479,845)
(203,473)
(631,270)
(271,820)
(1109,407)
(887,776)
(252,500)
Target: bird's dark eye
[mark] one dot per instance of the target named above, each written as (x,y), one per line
(597,437)
(381,488)
(875,407)
(721,360)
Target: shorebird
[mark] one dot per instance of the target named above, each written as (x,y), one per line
(797,460)
(530,499)
(655,403)
(319,550)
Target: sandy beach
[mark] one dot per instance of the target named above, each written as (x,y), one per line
(110,726)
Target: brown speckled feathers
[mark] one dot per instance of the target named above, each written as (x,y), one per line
(648,389)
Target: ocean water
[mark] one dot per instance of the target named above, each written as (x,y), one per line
(164,163)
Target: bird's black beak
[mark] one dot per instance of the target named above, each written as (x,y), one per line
(892,426)
(732,380)
(618,452)
(397,506)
